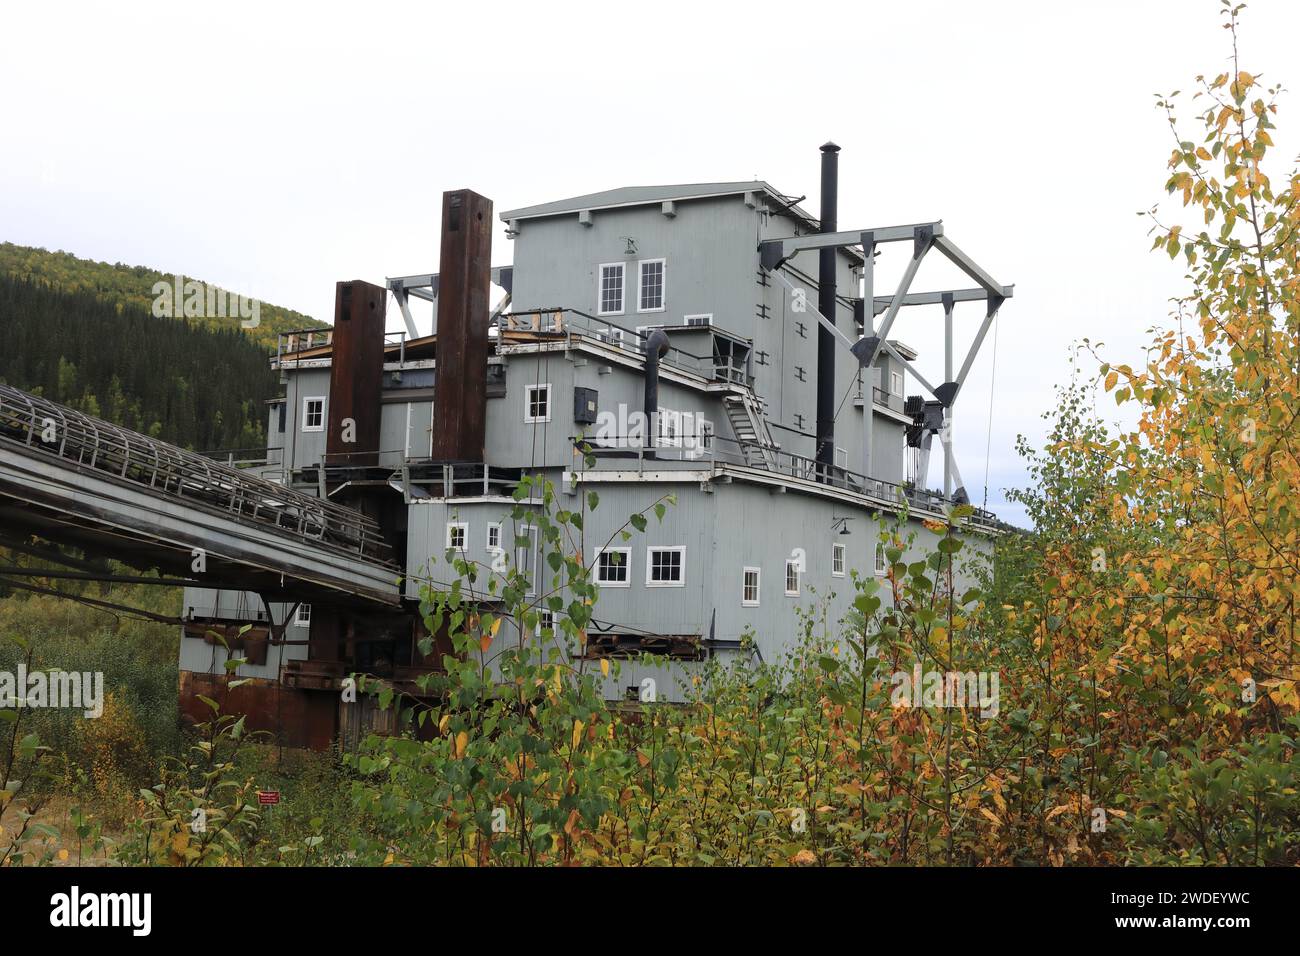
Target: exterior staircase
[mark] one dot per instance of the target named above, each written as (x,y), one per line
(750,427)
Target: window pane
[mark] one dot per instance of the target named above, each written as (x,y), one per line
(665,566)
(611,288)
(652,285)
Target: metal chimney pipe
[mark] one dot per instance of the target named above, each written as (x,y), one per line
(656,347)
(826,306)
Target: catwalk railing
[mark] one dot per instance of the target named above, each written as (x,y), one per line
(89,443)
(709,449)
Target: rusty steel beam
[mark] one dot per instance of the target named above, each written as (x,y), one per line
(464,287)
(356,374)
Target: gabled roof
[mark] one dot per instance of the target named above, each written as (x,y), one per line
(645,195)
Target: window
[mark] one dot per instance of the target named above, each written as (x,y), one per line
(494,536)
(303,617)
(749,587)
(841,458)
(665,567)
(837,560)
(537,403)
(613,567)
(612,336)
(896,383)
(792,578)
(526,556)
(880,559)
(652,286)
(706,434)
(545,621)
(313,414)
(457,535)
(611,289)
(703,318)
(670,428)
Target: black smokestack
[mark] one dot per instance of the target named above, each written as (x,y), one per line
(656,347)
(826,306)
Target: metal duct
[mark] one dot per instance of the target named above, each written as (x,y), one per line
(656,347)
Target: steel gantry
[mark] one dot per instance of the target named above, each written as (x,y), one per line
(925,236)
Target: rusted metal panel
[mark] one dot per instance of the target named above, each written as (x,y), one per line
(465,274)
(356,374)
(294,718)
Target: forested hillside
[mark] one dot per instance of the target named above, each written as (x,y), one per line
(122,285)
(199,386)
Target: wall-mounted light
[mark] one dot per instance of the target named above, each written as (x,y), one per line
(631,245)
(842,524)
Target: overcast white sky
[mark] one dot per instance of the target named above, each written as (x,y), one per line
(274,149)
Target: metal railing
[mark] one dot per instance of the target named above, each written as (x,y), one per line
(89,443)
(299,340)
(429,479)
(558,321)
(711,450)
(245,457)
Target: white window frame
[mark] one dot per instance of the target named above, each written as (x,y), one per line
(627,563)
(707,316)
(744,586)
(841,457)
(529,390)
(663,283)
(600,288)
(542,614)
(670,428)
(896,383)
(306,401)
(839,556)
(463,527)
(302,617)
(649,566)
(791,563)
(880,562)
(487,539)
(611,337)
(534,566)
(704,434)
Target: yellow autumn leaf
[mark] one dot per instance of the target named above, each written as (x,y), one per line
(604,666)
(577,733)
(462,739)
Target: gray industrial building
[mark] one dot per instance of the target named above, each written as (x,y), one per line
(713,342)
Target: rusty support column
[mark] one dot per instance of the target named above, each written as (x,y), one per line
(464,279)
(356,374)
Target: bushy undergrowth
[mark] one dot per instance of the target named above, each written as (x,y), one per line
(1142,639)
